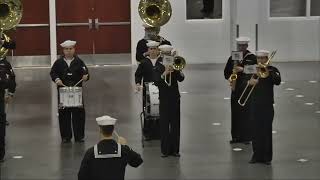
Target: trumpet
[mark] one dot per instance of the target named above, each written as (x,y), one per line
(262,72)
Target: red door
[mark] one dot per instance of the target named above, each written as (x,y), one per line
(32,35)
(74,21)
(98,26)
(112,27)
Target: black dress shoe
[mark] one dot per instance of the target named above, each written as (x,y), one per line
(164,155)
(2,160)
(267,162)
(79,141)
(253,161)
(65,141)
(7,123)
(176,155)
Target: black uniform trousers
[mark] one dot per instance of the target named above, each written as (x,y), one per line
(241,120)
(170,124)
(2,124)
(262,132)
(72,118)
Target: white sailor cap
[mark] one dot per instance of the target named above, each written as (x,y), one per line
(243,40)
(106,120)
(165,48)
(262,53)
(153,44)
(68,43)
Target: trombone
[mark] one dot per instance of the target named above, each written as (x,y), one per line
(263,72)
(179,63)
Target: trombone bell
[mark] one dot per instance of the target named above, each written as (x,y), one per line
(179,63)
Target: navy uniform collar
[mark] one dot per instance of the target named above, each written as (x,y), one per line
(98,154)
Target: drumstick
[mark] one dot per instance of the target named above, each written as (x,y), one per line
(115,132)
(78,82)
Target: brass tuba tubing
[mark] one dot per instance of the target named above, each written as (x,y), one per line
(10,16)
(155,13)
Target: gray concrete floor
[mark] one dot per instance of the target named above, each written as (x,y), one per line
(206,153)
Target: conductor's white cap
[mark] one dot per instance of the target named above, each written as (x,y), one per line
(68,43)
(243,40)
(106,121)
(262,53)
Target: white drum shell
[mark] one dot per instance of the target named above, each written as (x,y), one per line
(152,103)
(70,97)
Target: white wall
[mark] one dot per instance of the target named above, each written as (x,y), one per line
(296,39)
(199,41)
(246,17)
(208,41)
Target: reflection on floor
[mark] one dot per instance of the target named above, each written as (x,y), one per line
(205,130)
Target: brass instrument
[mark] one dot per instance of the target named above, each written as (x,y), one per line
(262,72)
(3,50)
(233,77)
(10,16)
(155,13)
(179,63)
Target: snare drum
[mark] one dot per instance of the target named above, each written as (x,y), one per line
(152,101)
(70,97)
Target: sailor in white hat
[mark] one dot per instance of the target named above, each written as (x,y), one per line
(70,70)
(263,111)
(144,72)
(144,75)
(7,77)
(151,34)
(169,103)
(68,44)
(262,53)
(108,159)
(240,116)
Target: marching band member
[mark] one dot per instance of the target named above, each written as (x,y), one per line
(169,107)
(108,159)
(263,111)
(151,34)
(145,73)
(7,81)
(68,71)
(240,116)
